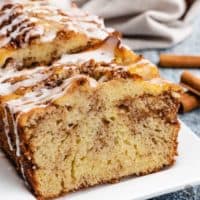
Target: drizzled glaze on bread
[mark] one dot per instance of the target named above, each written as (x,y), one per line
(20,24)
(37,33)
(99,64)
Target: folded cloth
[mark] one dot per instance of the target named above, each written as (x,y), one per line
(147,23)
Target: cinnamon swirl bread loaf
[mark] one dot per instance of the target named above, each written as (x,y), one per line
(88,118)
(35,32)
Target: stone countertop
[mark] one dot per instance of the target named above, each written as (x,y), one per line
(190,46)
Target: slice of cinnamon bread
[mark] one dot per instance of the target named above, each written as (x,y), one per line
(92,117)
(35,32)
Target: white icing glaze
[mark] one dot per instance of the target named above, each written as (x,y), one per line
(105,54)
(7,12)
(17,141)
(32,78)
(15,130)
(23,173)
(40,97)
(5,88)
(12,73)
(35,31)
(48,38)
(19,25)
(9,27)
(7,129)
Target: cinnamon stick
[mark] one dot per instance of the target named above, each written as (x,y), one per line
(191,82)
(189,102)
(179,61)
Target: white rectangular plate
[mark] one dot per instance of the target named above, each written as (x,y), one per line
(184,173)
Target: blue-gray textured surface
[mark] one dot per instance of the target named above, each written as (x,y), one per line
(192,119)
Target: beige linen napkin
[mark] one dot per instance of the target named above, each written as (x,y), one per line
(147,23)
